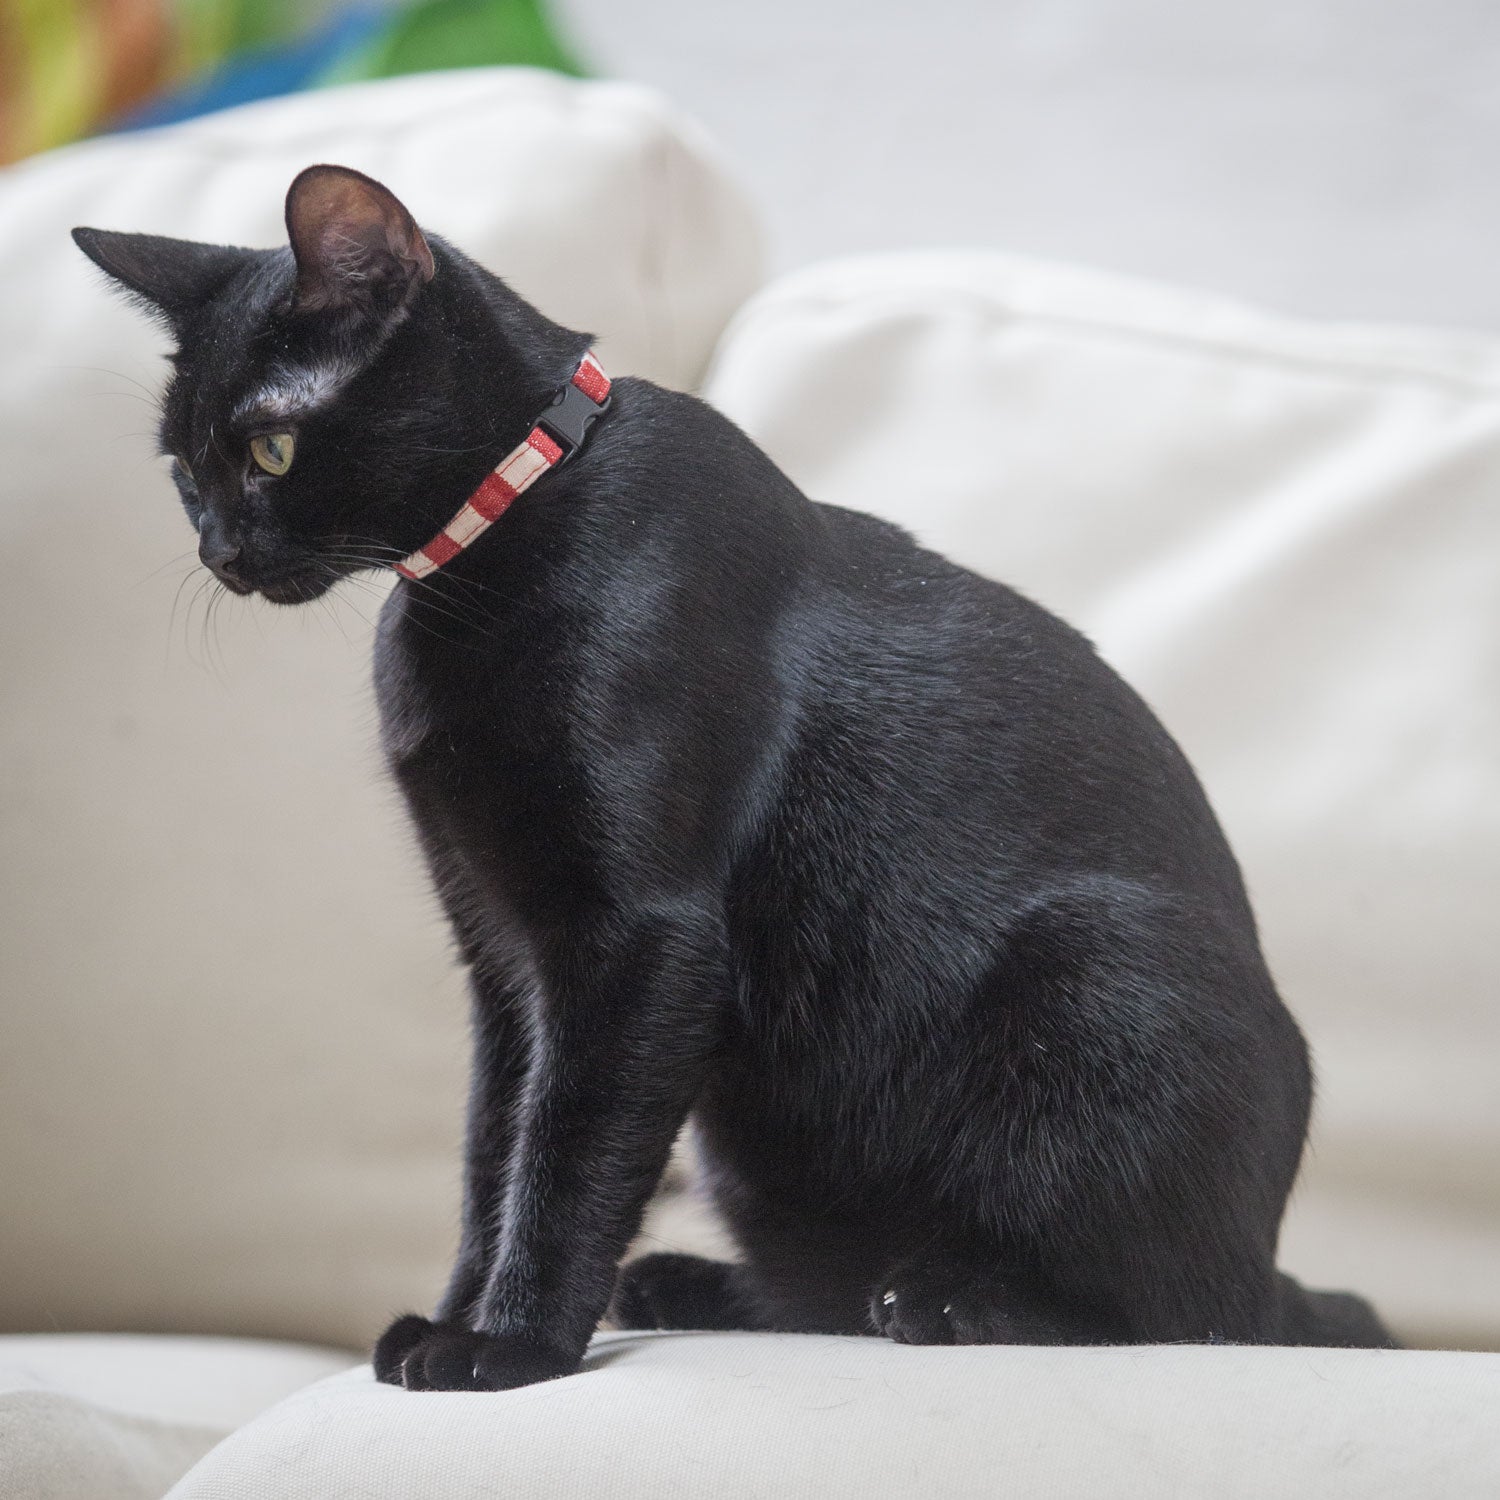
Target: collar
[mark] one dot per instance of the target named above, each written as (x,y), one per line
(554,438)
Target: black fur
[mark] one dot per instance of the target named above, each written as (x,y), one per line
(750,810)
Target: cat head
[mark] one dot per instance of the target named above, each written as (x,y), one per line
(334,401)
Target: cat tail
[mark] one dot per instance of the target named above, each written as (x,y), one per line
(1330,1320)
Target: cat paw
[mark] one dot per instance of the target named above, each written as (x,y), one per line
(392,1347)
(421,1355)
(945,1304)
(677,1291)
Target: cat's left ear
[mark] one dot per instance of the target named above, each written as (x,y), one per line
(358,250)
(169,278)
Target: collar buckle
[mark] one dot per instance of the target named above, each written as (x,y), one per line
(568,419)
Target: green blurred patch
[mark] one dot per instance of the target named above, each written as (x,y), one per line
(436,34)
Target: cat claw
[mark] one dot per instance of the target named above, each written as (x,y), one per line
(945,1304)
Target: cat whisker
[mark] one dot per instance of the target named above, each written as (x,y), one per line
(325,606)
(359,613)
(131,396)
(213,646)
(187,578)
(171,562)
(385,553)
(375,591)
(187,618)
(218,446)
(119,375)
(432,599)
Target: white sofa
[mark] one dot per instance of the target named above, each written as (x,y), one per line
(232,1037)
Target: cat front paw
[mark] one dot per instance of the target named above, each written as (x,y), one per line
(421,1355)
(392,1347)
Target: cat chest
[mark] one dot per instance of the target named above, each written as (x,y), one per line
(430,702)
(439,735)
(468,745)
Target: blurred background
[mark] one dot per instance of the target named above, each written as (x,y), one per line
(1334,158)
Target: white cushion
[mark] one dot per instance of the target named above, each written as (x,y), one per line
(121,1418)
(234,1031)
(598,201)
(747,1416)
(1287,537)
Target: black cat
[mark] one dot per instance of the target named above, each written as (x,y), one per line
(747,809)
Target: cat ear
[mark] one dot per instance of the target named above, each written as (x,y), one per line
(357,247)
(168,277)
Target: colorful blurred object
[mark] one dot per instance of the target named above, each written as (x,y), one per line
(70,68)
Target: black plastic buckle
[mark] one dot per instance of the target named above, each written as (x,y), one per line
(568,419)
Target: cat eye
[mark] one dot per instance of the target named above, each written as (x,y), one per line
(273,451)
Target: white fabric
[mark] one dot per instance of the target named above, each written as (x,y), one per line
(100,1417)
(1287,537)
(751,1416)
(233,1031)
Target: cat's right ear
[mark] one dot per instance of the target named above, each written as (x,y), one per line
(168,278)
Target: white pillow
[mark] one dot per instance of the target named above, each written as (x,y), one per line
(1287,537)
(233,1036)
(750,1416)
(85,1417)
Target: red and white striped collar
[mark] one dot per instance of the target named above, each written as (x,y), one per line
(556,436)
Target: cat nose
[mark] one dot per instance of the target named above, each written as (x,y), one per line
(218,550)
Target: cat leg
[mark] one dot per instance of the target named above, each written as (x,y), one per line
(498,1074)
(683,1291)
(627,1020)
(498,1071)
(1148,1109)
